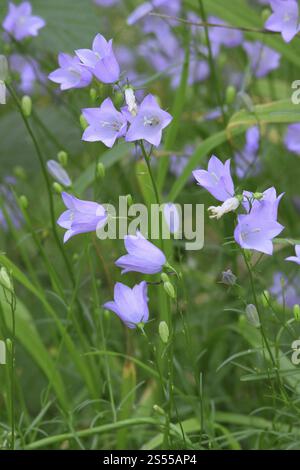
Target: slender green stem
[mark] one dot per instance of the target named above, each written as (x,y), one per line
(46,178)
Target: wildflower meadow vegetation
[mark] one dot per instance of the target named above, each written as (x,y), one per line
(150,225)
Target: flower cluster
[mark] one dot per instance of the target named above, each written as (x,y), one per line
(257,225)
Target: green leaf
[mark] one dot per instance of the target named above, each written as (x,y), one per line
(30,339)
(272,113)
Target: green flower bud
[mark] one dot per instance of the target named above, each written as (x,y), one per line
(23,201)
(62,157)
(129,200)
(265,298)
(296,312)
(265,14)
(230,95)
(169,288)
(5,280)
(158,410)
(164,333)
(252,315)
(258,196)
(100,170)
(57,188)
(164,277)
(9,345)
(20,172)
(118,99)
(3,68)
(93,95)
(26,104)
(83,122)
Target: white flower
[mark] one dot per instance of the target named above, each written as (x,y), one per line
(131,101)
(229,205)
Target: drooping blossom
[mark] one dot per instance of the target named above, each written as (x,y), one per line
(171,216)
(171,8)
(106,3)
(225,36)
(143,256)
(81,216)
(295,259)
(20,23)
(149,122)
(58,173)
(106,124)
(131,305)
(256,229)
(292,138)
(71,73)
(29,72)
(262,58)
(230,205)
(247,162)
(101,60)
(284,19)
(216,179)
(9,207)
(286,291)
(3,78)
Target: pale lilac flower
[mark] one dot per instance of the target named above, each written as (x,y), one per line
(71,74)
(3,78)
(131,305)
(81,216)
(10,207)
(256,229)
(107,3)
(223,36)
(284,19)
(269,202)
(101,60)
(143,256)
(149,122)
(292,138)
(179,162)
(217,179)
(58,173)
(171,8)
(106,124)
(171,216)
(20,23)
(286,290)
(262,58)
(247,161)
(295,259)
(29,72)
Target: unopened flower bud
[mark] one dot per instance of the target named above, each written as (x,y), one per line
(83,122)
(265,298)
(265,14)
(129,200)
(228,278)
(100,170)
(26,104)
(62,157)
(20,172)
(229,205)
(93,95)
(230,94)
(58,173)
(9,345)
(57,188)
(158,410)
(5,280)
(164,333)
(169,288)
(164,277)
(296,312)
(252,315)
(23,201)
(258,196)
(131,101)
